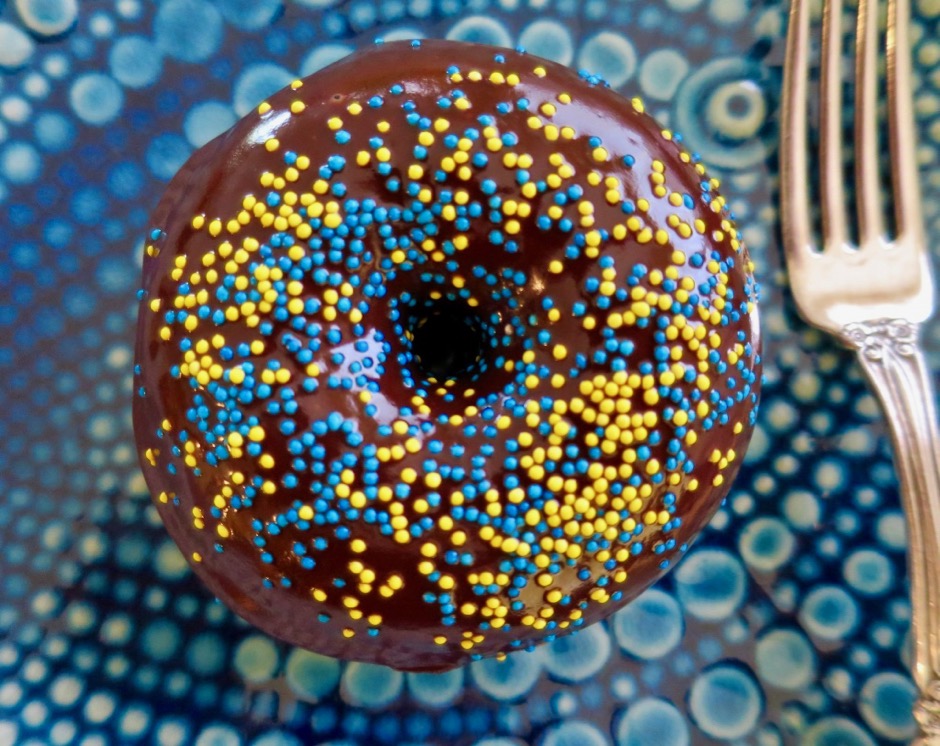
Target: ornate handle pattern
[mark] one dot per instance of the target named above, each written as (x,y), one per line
(890,355)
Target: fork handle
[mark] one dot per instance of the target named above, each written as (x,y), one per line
(889,352)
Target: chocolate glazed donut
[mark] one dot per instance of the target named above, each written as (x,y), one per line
(444,351)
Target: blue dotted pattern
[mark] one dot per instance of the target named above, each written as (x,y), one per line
(786,624)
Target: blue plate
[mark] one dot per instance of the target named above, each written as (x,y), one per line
(787,623)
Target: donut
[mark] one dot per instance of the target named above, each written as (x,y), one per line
(444,351)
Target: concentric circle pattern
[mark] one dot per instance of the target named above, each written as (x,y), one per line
(788,621)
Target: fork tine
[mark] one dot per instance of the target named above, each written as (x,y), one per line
(794,168)
(834,221)
(902,133)
(868,191)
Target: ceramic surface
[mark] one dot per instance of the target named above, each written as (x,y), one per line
(787,623)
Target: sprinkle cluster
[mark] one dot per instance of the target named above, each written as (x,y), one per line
(455,359)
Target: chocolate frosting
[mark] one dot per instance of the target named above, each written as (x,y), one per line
(443,351)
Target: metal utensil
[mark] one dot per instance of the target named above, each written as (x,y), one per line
(873,296)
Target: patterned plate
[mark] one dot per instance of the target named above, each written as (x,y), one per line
(787,623)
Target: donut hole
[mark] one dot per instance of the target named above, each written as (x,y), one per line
(448,342)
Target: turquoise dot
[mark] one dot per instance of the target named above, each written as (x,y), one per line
(831,475)
(250,15)
(218,735)
(113,277)
(169,561)
(256,83)
(499,741)
(577,657)
(135,61)
(886,702)
(66,690)
(256,659)
(891,531)
(766,544)
(132,550)
(436,689)
(829,613)
(311,676)
(206,654)
(369,685)
(725,701)
(188,30)
(134,722)
(48,17)
(649,627)
(20,163)
(510,678)
(480,30)
(574,733)
(99,707)
(165,154)
(53,132)
(323,55)
(549,39)
(661,73)
(652,722)
(610,55)
(161,639)
(836,731)
(16,48)
(206,120)
(785,659)
(711,584)
(868,572)
(802,510)
(96,98)
(173,731)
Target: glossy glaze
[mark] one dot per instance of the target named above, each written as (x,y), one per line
(433,615)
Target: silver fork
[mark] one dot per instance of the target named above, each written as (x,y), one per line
(873,296)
